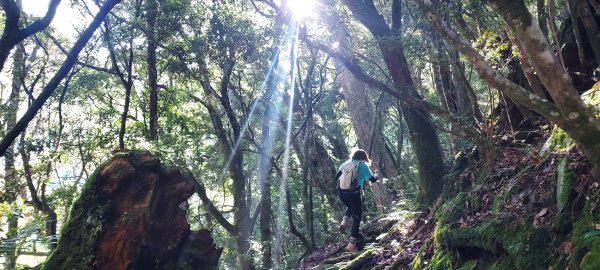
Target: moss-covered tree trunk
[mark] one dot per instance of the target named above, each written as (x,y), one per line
(132,215)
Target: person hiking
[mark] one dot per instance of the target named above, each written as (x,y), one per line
(350,178)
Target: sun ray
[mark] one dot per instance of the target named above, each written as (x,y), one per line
(301,8)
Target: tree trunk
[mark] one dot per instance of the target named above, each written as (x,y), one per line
(132,215)
(362,116)
(420,126)
(590,25)
(151,14)
(542,16)
(421,130)
(268,139)
(39,201)
(234,159)
(444,88)
(573,13)
(307,184)
(568,110)
(11,184)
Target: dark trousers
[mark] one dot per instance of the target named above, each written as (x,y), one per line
(353,203)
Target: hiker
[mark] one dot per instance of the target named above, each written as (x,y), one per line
(350,178)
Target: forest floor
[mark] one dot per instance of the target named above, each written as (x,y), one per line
(512,218)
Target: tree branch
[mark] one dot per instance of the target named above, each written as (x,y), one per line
(58,77)
(12,35)
(493,77)
(212,209)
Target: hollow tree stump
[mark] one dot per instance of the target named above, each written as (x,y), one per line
(132,215)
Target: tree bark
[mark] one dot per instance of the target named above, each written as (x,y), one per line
(420,126)
(11,181)
(241,227)
(135,208)
(265,168)
(445,90)
(554,32)
(362,113)
(151,15)
(308,152)
(590,25)
(568,112)
(533,80)
(21,125)
(39,202)
(572,6)
(542,16)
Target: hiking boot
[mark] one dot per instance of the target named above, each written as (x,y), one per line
(344,225)
(351,247)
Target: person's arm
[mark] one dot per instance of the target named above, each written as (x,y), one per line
(365,173)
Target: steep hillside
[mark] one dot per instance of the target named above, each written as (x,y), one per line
(536,210)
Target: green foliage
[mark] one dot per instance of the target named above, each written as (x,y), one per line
(586,240)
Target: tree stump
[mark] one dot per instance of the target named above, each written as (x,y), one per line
(132,214)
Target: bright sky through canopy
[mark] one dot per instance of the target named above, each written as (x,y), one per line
(301,8)
(63,20)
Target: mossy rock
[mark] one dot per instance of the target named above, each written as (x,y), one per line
(441,260)
(524,245)
(518,243)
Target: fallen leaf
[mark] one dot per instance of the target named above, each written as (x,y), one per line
(597,226)
(542,213)
(567,247)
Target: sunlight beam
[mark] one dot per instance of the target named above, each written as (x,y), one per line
(301,8)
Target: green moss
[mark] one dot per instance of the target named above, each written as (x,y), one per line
(359,260)
(559,141)
(591,260)
(475,202)
(502,264)
(564,183)
(524,245)
(470,265)
(78,241)
(499,201)
(449,213)
(592,98)
(419,262)
(586,239)
(441,260)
